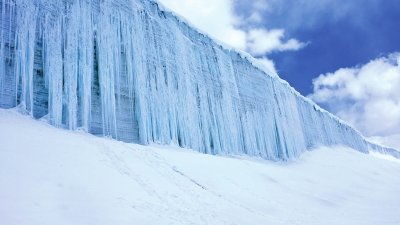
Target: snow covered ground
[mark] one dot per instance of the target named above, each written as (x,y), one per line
(51,176)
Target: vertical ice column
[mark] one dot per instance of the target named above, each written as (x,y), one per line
(108,49)
(6,49)
(71,59)
(125,92)
(85,61)
(24,59)
(68,63)
(137,56)
(53,67)
(2,45)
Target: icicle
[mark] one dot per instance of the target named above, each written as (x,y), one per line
(109,61)
(2,46)
(70,58)
(85,62)
(53,67)
(25,44)
(130,71)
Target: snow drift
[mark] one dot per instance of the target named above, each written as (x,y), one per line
(129,70)
(53,176)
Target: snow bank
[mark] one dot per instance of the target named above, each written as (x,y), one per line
(52,176)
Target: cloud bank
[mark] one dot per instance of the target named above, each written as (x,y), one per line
(217,18)
(263,41)
(367,96)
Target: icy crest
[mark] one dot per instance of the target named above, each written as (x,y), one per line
(129,70)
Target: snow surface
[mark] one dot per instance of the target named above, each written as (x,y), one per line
(52,176)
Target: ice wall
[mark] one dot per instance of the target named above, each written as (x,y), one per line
(131,71)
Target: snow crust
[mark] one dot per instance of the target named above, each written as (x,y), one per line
(54,176)
(132,71)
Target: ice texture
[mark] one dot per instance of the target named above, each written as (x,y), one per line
(132,71)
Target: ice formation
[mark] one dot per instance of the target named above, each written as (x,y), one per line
(132,71)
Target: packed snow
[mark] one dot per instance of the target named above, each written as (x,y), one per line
(53,176)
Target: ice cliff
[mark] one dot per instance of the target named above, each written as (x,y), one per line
(132,71)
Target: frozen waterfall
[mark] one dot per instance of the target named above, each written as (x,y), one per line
(129,70)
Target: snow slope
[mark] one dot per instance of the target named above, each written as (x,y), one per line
(52,176)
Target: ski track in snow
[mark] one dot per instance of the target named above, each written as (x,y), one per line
(53,176)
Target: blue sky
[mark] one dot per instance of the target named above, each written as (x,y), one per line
(338,34)
(343,54)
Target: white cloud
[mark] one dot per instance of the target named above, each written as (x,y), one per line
(391,141)
(260,5)
(262,41)
(217,18)
(255,17)
(268,64)
(214,17)
(367,96)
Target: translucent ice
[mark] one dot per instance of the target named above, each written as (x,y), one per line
(129,70)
